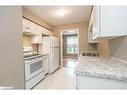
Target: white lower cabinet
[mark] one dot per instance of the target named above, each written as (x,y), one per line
(46,62)
(88,82)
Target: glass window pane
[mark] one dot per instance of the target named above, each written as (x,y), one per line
(72,44)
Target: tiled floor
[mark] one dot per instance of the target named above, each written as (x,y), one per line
(63,78)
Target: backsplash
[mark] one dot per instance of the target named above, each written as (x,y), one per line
(118,48)
(103,48)
(27,42)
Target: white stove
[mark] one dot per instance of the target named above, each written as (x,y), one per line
(30,56)
(34,67)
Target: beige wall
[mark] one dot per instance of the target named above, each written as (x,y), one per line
(31,16)
(83,40)
(11,51)
(103,48)
(118,47)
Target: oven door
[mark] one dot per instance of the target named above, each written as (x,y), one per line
(33,67)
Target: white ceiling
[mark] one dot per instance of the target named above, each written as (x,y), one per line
(73,14)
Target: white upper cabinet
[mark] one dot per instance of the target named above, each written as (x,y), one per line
(46,31)
(90,36)
(109,22)
(90,30)
(37,39)
(29,28)
(39,30)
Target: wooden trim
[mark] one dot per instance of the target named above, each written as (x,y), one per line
(37,23)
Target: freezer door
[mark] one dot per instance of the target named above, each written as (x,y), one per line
(54,42)
(46,45)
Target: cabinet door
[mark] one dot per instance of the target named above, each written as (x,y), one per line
(90,37)
(33,28)
(46,31)
(96,17)
(26,27)
(39,30)
(90,30)
(37,39)
(29,27)
(49,32)
(113,21)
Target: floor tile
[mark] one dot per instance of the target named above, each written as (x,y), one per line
(63,78)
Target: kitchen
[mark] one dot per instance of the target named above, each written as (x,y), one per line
(41,53)
(102,46)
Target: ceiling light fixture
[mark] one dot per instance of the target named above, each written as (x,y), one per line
(61,12)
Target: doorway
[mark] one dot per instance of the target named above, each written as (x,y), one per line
(69,48)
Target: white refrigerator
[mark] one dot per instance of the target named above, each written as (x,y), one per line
(51,47)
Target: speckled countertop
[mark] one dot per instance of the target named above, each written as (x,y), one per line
(104,68)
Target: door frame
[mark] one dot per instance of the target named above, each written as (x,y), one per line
(61,43)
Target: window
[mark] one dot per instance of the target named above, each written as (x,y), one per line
(72,42)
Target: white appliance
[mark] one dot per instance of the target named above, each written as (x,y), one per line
(51,47)
(46,62)
(34,68)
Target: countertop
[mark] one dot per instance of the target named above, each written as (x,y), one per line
(111,68)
